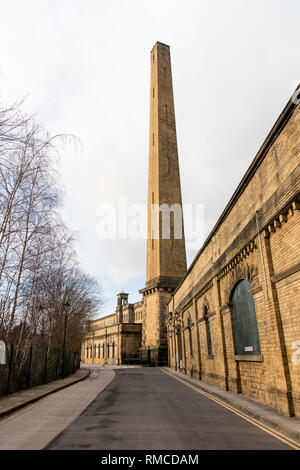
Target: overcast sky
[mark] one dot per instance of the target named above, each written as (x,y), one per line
(84,66)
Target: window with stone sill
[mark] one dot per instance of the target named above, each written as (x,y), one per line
(208,333)
(244,320)
(189,326)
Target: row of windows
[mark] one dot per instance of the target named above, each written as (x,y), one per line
(138,315)
(100,350)
(190,336)
(244,323)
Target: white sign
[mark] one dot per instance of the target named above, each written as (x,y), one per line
(296,354)
(249,348)
(2,352)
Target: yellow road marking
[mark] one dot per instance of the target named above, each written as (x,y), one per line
(264,427)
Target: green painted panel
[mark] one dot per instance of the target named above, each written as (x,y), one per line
(208,336)
(244,320)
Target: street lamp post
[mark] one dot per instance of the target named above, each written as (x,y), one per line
(66,307)
(108,344)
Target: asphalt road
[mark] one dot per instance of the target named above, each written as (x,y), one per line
(144,408)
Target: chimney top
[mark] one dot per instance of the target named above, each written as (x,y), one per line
(161,43)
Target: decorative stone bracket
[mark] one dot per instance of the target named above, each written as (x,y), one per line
(282,218)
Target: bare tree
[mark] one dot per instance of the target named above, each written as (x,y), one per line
(38,265)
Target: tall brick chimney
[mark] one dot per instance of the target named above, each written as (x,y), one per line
(166,256)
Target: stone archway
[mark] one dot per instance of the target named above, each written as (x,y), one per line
(240,272)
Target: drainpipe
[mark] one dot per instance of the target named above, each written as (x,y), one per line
(261,253)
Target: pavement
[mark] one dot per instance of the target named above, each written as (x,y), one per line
(34,426)
(264,414)
(13,402)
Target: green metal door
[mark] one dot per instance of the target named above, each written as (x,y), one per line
(244,320)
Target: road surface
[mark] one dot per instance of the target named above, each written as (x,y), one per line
(140,408)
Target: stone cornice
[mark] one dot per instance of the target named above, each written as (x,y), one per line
(282,217)
(220,267)
(160,283)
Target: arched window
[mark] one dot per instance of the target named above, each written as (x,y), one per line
(189,325)
(207,328)
(103,350)
(244,320)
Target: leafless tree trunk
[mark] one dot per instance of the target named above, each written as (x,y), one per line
(38,265)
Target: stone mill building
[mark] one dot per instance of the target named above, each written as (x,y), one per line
(233,318)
